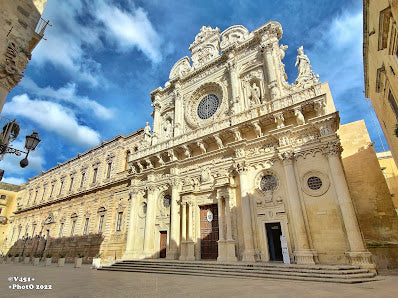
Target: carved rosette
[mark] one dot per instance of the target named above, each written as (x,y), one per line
(191,105)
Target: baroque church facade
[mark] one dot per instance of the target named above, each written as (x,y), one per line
(240,166)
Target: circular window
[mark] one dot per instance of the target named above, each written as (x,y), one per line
(208,106)
(314,183)
(166,201)
(268,182)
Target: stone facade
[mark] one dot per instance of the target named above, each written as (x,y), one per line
(8,194)
(240,166)
(380,50)
(370,194)
(21,29)
(390,172)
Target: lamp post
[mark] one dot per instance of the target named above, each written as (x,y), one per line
(31,143)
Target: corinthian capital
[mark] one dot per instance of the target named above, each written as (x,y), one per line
(333,148)
(286,156)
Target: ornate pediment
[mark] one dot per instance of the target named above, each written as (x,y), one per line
(205,47)
(181,67)
(234,35)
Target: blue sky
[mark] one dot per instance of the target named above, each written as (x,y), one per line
(90,80)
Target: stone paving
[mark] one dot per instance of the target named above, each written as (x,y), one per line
(85,282)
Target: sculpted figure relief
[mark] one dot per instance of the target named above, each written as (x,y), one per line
(168,129)
(255,94)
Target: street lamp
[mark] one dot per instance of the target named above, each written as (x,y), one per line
(31,143)
(9,133)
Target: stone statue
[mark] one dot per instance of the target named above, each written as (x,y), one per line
(255,94)
(168,129)
(147,133)
(299,117)
(305,76)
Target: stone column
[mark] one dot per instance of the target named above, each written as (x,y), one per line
(156,122)
(269,68)
(248,253)
(178,113)
(129,252)
(150,222)
(221,235)
(234,85)
(228,219)
(302,252)
(358,253)
(190,242)
(183,231)
(172,252)
(226,247)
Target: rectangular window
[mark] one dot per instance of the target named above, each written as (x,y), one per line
(393,104)
(73,227)
(44,191)
(82,181)
(60,230)
(71,184)
(60,188)
(119,221)
(101,222)
(108,172)
(85,227)
(95,175)
(34,201)
(52,190)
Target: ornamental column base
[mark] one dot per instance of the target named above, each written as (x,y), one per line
(363,259)
(248,255)
(226,251)
(190,251)
(183,254)
(305,257)
(172,254)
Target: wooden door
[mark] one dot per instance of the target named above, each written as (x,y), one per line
(163,244)
(209,231)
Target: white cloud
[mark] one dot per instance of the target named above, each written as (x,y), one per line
(70,43)
(69,94)
(337,56)
(53,117)
(130,30)
(14,180)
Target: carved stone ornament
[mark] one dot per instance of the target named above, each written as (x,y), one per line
(192,106)
(181,68)
(205,47)
(15,64)
(333,148)
(234,35)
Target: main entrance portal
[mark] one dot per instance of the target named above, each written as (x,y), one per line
(209,231)
(274,233)
(163,244)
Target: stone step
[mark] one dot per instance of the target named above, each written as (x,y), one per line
(364,274)
(238,267)
(193,271)
(245,264)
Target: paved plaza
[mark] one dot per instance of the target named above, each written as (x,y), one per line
(85,282)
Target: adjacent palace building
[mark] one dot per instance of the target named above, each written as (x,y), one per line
(240,165)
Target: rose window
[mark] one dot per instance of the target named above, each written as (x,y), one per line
(314,183)
(208,106)
(268,182)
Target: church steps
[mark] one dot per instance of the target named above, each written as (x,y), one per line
(347,275)
(247,268)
